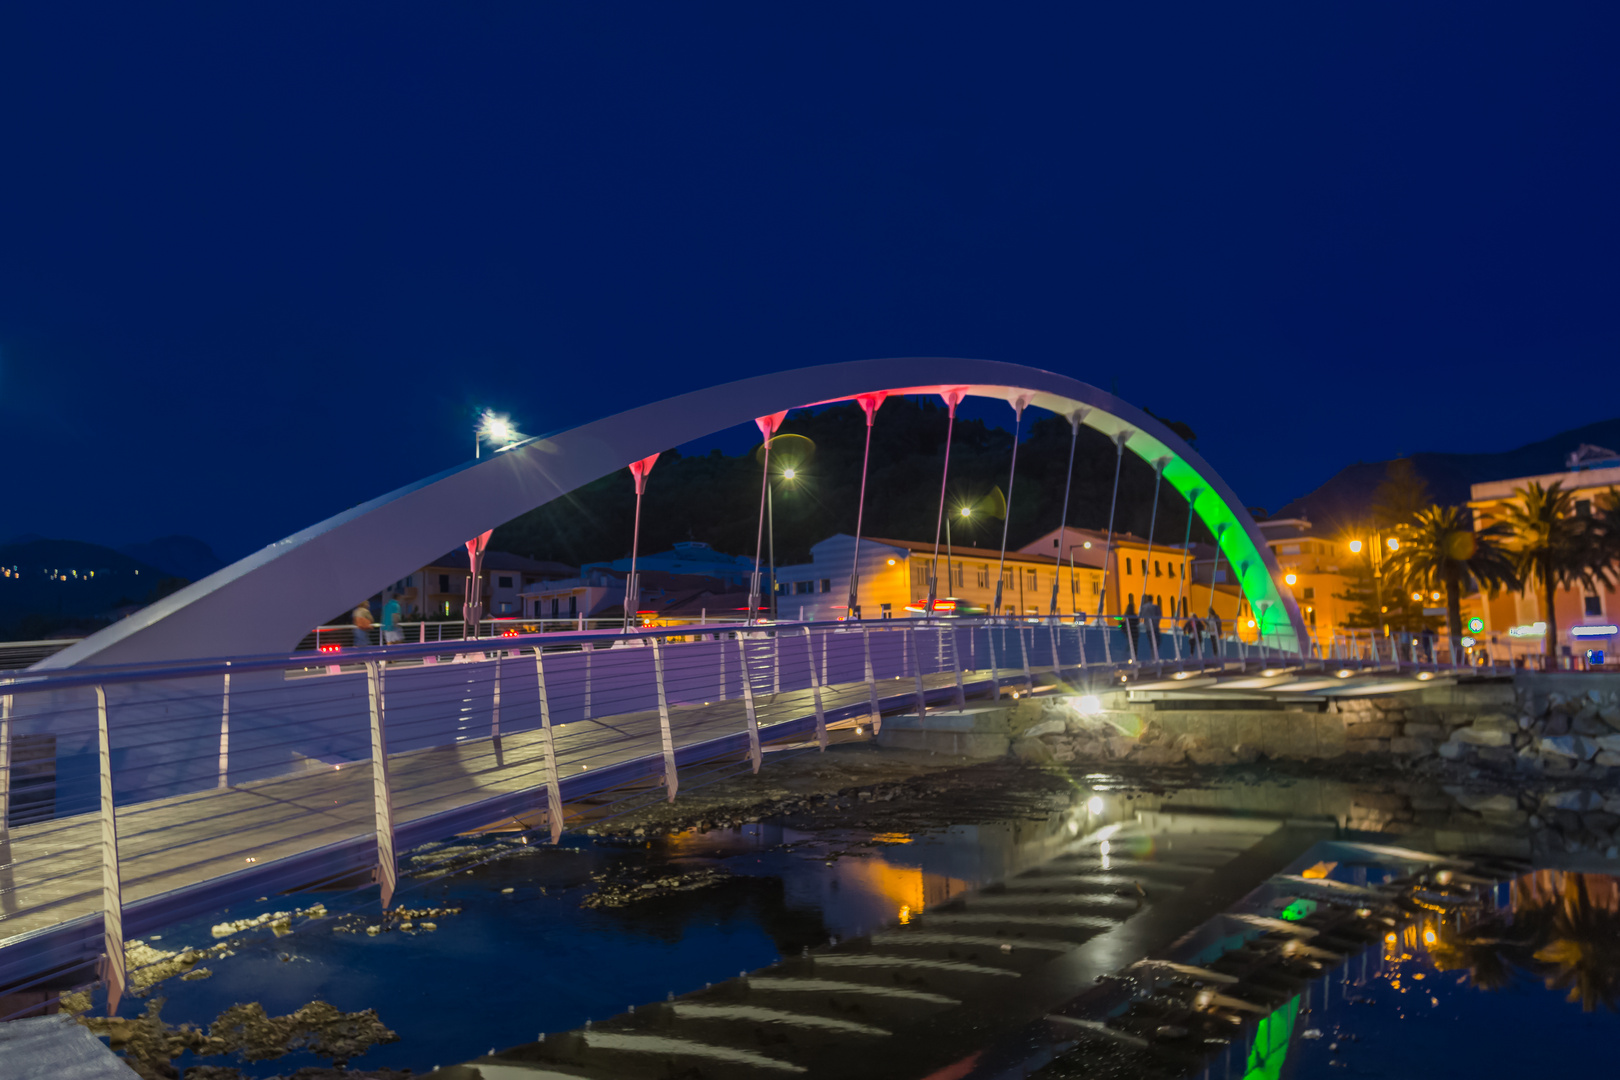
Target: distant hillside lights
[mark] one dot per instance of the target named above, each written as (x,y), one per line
(57,575)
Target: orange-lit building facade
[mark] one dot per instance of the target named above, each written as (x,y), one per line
(1517,614)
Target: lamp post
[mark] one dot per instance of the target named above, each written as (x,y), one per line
(796,449)
(1376,557)
(495,429)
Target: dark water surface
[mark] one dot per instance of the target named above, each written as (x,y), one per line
(523,957)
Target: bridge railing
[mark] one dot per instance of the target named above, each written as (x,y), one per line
(161,791)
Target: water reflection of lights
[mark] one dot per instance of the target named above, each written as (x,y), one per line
(905,914)
(1430,937)
(1095,804)
(1104,848)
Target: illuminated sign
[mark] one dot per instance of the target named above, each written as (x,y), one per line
(1476,625)
(1533,630)
(1594,631)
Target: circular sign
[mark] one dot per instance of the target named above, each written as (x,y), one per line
(1476,625)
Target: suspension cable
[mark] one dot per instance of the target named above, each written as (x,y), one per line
(1153,523)
(767,427)
(1063,522)
(1120,439)
(952,399)
(1186,550)
(869,404)
(1018,405)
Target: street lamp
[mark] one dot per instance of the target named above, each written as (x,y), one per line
(799,448)
(495,429)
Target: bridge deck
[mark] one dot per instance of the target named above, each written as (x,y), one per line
(185,854)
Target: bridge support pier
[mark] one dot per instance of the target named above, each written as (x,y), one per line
(112,903)
(815,685)
(748,703)
(381,799)
(672,780)
(548,750)
(225,732)
(871,682)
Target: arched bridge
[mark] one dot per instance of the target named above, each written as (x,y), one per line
(199,761)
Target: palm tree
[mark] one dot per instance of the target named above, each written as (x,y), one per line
(1441,548)
(1553,547)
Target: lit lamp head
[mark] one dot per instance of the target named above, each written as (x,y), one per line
(789,473)
(1290,578)
(967,511)
(1355,547)
(1394,544)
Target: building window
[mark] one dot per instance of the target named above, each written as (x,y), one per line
(573,606)
(503,582)
(1156,572)
(1289,549)
(982,578)
(444,582)
(1032,581)
(1310,613)
(1128,570)
(555,601)
(1310,592)
(826,584)
(1583,508)
(960,571)
(1594,605)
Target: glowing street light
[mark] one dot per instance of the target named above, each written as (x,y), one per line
(1394,544)
(495,429)
(1290,578)
(1355,547)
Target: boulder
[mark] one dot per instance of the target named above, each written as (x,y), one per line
(1589,726)
(1607,758)
(1214,755)
(1054,726)
(1495,803)
(1488,736)
(1570,747)
(1033,751)
(1576,801)
(1610,714)
(1451,750)
(1555,724)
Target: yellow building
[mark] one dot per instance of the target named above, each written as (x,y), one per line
(895,575)
(1315,568)
(1586,617)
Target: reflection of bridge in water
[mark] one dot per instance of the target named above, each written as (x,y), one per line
(198,764)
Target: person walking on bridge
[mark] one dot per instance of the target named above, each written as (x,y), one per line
(1150,622)
(363,622)
(391,633)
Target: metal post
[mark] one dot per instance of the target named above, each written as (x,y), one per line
(588,650)
(922,704)
(815,689)
(495,703)
(1018,405)
(776,661)
(722,696)
(748,708)
(871,681)
(5,760)
(671,779)
(956,663)
(112,902)
(1029,678)
(1051,628)
(224,731)
(1063,522)
(548,749)
(995,673)
(382,800)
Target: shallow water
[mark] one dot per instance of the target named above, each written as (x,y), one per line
(523,957)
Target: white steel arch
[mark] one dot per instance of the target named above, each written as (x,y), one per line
(265,603)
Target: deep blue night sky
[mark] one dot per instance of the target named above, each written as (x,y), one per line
(261,262)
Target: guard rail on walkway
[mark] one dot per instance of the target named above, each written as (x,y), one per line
(174,790)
